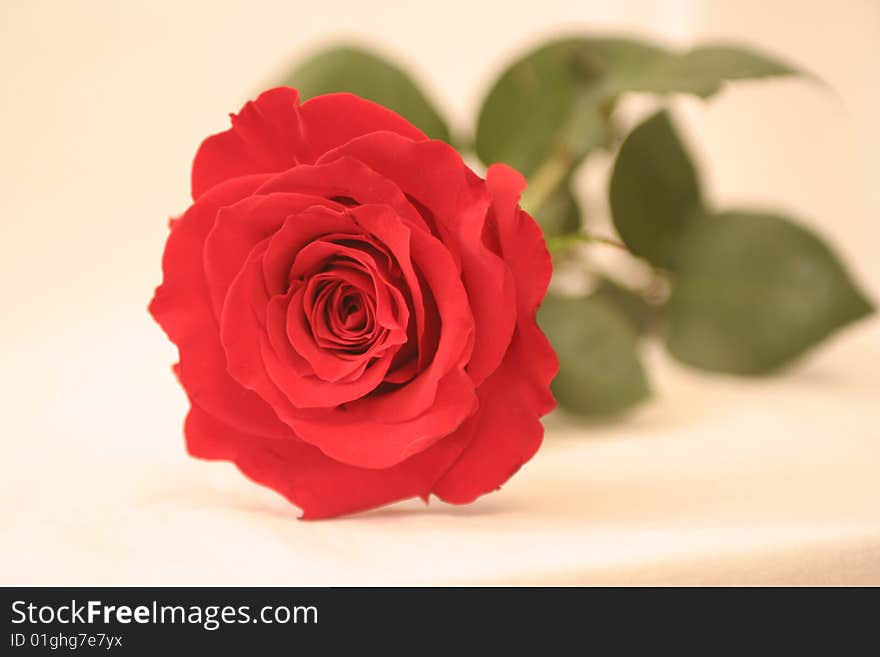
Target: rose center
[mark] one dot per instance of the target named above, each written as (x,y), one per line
(352,314)
(343,317)
(352,309)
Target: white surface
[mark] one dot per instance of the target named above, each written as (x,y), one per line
(717,480)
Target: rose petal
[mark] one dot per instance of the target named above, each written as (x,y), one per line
(240,226)
(395,424)
(279,375)
(506,430)
(320,486)
(266,137)
(275,132)
(434,174)
(524,249)
(501,436)
(328,366)
(344,178)
(334,119)
(455,342)
(368,443)
(181,306)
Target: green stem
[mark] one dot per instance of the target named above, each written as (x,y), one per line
(557,243)
(546,181)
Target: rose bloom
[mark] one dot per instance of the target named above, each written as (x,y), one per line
(355,309)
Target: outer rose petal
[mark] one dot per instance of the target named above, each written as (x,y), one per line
(506,430)
(266,137)
(182,307)
(273,133)
(520,239)
(209,438)
(334,119)
(522,246)
(320,486)
(502,435)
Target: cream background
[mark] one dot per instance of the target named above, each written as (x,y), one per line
(715,481)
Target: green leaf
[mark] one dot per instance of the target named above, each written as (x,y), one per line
(701,71)
(558,97)
(644,316)
(370,76)
(754,291)
(600,371)
(559,213)
(552,101)
(654,191)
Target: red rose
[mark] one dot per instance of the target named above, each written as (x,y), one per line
(355,309)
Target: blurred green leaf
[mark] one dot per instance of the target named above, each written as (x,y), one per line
(558,97)
(654,191)
(370,76)
(643,315)
(701,71)
(754,291)
(600,371)
(552,100)
(559,213)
